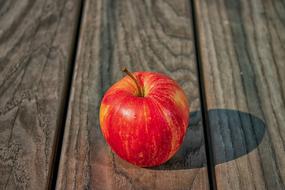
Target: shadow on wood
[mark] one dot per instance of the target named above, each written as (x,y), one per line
(234,134)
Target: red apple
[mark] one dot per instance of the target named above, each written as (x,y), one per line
(144,117)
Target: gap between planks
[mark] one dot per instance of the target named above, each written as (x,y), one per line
(204,107)
(66,97)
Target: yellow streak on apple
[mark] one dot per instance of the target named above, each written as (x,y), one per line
(103,113)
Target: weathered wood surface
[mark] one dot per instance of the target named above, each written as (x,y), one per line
(242,52)
(36,39)
(141,35)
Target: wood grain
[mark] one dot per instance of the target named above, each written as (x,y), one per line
(36,40)
(140,35)
(242,53)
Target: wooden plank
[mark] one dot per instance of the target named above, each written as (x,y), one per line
(141,35)
(242,54)
(36,42)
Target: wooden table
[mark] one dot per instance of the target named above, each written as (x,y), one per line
(57,58)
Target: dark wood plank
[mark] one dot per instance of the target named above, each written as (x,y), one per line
(36,40)
(242,49)
(141,35)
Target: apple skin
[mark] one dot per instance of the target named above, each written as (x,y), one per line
(145,131)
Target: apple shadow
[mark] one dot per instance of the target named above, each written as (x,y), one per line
(233,134)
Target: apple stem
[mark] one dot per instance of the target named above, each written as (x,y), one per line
(140,89)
